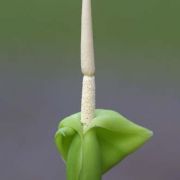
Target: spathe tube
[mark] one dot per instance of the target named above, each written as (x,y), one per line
(107,141)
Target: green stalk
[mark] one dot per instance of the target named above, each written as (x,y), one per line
(91,158)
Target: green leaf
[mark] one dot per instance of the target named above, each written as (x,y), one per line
(109,138)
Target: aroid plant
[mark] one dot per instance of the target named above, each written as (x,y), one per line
(94,140)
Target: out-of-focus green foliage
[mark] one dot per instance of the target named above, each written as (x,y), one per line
(128,21)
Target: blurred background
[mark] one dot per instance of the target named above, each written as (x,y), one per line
(137,47)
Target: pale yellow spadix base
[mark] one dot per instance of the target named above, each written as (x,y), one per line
(88,100)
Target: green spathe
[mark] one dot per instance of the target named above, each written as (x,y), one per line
(91,152)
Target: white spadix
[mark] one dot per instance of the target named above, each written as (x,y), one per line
(87,65)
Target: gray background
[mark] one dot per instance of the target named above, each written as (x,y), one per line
(137,61)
